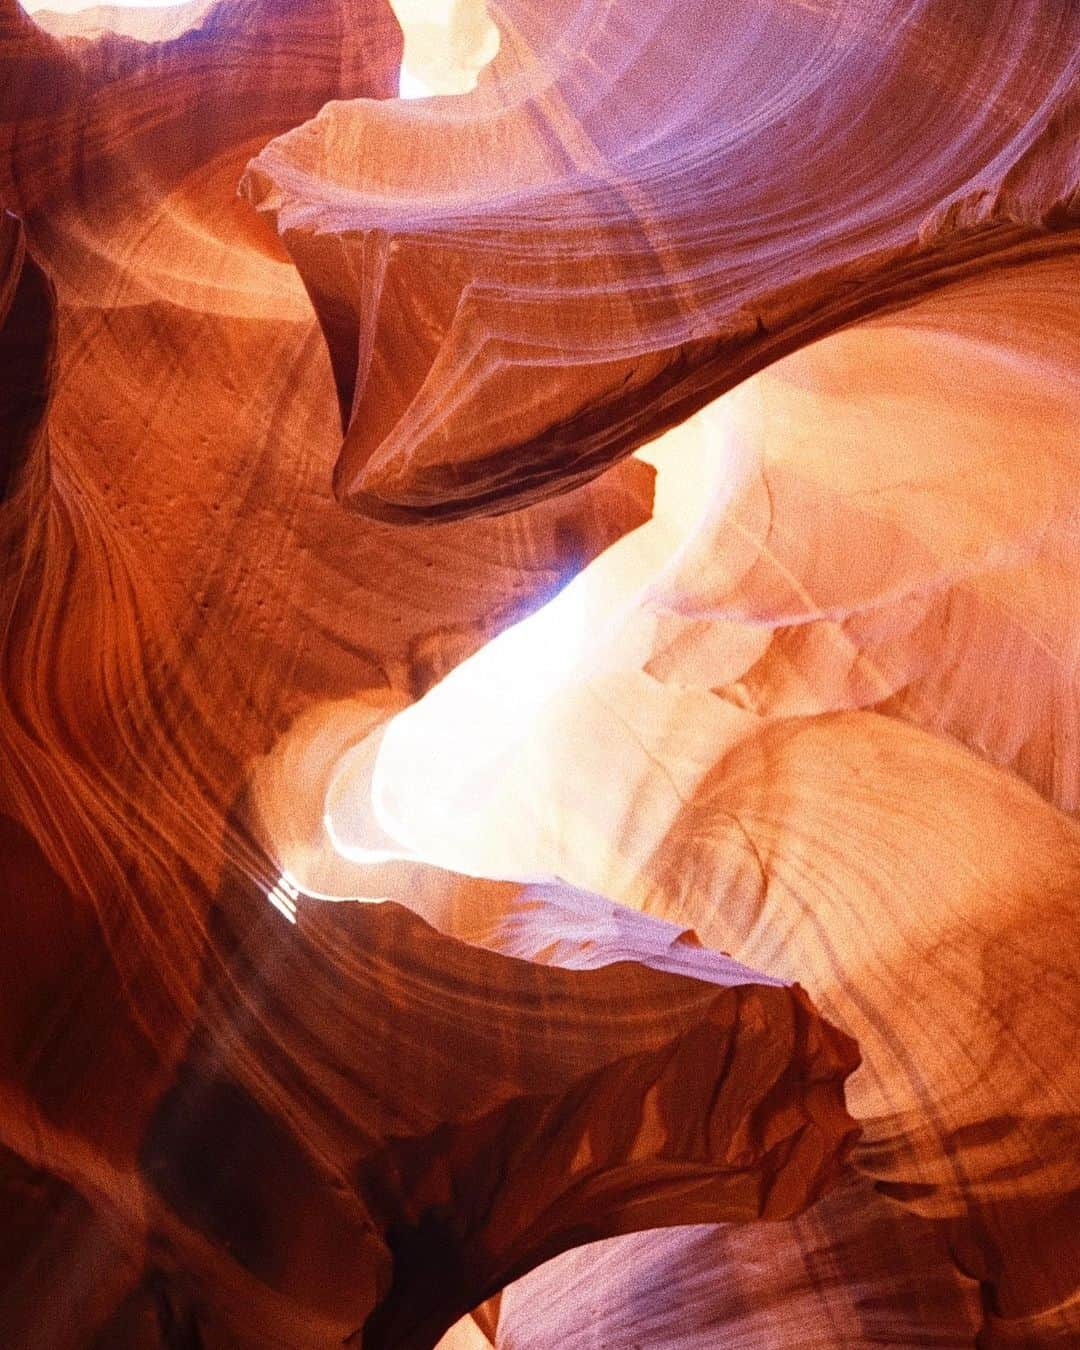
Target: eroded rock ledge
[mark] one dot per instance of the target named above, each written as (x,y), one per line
(644,203)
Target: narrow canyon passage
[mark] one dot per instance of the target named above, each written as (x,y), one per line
(539,729)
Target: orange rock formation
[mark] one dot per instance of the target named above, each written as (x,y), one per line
(623,515)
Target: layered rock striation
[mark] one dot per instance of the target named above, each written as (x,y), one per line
(622,515)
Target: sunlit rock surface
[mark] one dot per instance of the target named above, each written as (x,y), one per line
(855,1271)
(732,784)
(836,732)
(519,287)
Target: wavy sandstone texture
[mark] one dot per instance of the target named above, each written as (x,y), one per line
(520,287)
(722,788)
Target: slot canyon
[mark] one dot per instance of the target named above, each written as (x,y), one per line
(540,706)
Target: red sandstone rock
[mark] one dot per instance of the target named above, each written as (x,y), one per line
(837,652)
(643,204)
(351,1147)
(855,1271)
(819,711)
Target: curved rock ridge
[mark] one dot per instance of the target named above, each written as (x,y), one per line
(642,204)
(178,583)
(373,1207)
(854,1271)
(830,691)
(788,695)
(177,586)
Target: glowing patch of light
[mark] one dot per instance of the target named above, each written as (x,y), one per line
(447,44)
(534,657)
(362,853)
(447,746)
(351,818)
(444,779)
(283,895)
(411,86)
